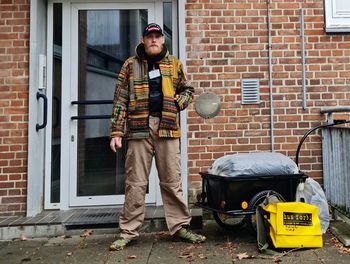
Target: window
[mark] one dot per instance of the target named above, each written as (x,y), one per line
(337,15)
(110,38)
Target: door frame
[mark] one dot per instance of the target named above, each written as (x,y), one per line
(36,143)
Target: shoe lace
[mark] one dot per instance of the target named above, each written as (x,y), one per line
(191,234)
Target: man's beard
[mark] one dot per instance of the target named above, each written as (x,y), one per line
(153,50)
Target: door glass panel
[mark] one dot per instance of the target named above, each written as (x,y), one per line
(106,39)
(56,104)
(168,25)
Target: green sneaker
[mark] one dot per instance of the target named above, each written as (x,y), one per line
(186,234)
(119,244)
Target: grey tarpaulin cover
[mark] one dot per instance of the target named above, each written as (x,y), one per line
(260,163)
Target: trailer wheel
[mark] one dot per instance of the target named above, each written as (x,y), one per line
(227,221)
(254,203)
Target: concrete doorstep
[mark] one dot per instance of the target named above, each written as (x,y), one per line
(57,223)
(10,233)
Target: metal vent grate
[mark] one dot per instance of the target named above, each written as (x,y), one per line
(250,91)
(92,218)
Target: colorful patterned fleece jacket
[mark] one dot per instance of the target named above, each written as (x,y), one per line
(130,106)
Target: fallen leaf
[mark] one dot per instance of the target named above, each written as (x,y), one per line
(229,245)
(191,247)
(69,254)
(202,256)
(66,236)
(339,245)
(86,233)
(186,255)
(132,257)
(242,255)
(187,252)
(277,260)
(22,237)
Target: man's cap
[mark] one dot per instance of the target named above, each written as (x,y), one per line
(152,27)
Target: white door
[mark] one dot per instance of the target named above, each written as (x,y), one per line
(102,37)
(87,44)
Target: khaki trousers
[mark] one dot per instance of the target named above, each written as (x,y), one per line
(138,166)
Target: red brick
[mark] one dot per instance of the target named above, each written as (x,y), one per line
(8,36)
(13,207)
(6,185)
(14,169)
(16,199)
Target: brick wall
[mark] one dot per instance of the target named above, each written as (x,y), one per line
(14,72)
(227,41)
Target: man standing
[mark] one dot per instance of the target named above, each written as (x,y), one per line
(150,92)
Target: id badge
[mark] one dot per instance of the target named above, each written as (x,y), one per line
(154,74)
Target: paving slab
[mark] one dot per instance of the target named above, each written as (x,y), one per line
(54,255)
(137,253)
(342,231)
(20,251)
(160,248)
(89,251)
(169,251)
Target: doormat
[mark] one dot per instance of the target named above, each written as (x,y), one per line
(92,219)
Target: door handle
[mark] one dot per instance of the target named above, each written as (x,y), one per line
(42,96)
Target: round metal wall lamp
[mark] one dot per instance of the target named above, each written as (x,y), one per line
(207,105)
